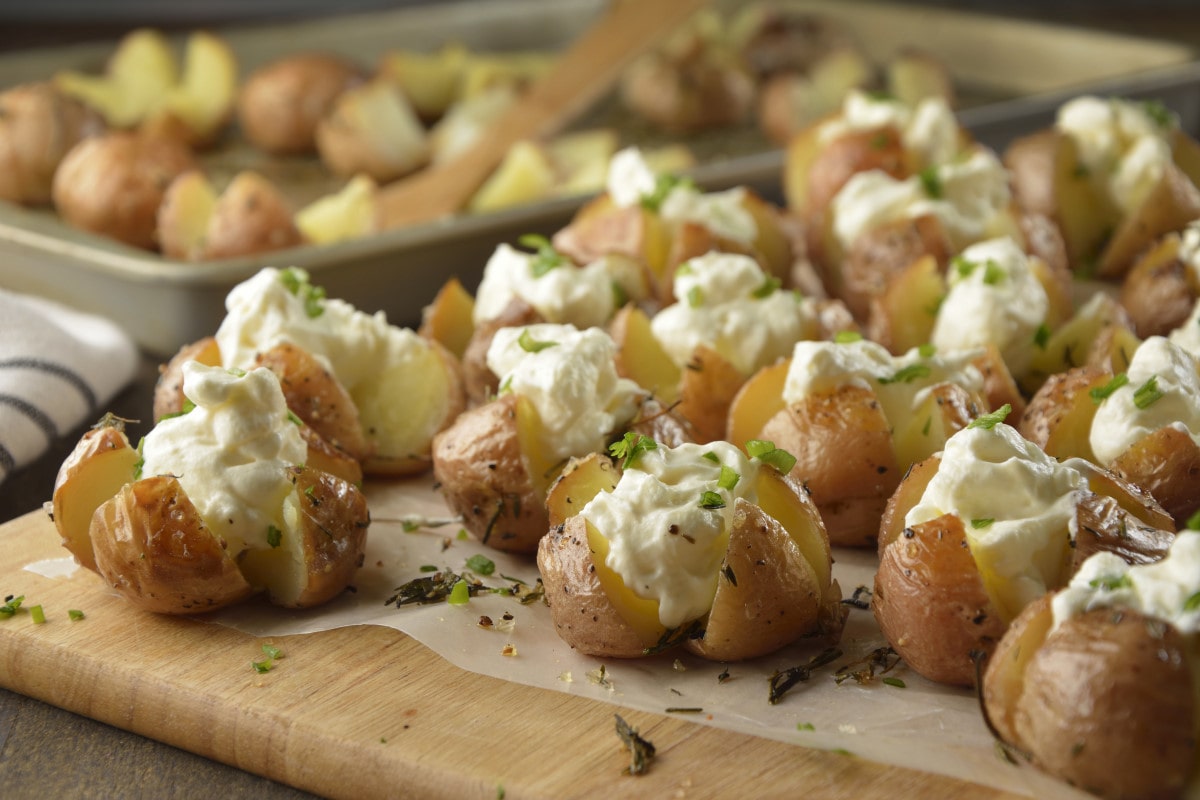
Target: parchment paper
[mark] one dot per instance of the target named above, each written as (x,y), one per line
(920,725)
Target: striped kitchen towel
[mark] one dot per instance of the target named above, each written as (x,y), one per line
(58,368)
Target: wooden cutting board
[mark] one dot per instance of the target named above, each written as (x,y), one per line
(369,712)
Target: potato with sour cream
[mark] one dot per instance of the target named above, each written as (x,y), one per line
(1114,174)
(697,546)
(214,504)
(856,417)
(1097,683)
(977,532)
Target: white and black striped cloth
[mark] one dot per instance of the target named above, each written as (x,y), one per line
(58,368)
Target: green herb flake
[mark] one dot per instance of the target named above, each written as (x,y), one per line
(962,266)
(711,501)
(663,186)
(1102,393)
(271,651)
(1110,583)
(908,374)
(695,297)
(141,462)
(462,535)
(1193,521)
(630,446)
(847,337)
(981,523)
(766,452)
(545,257)
(481,564)
(292,418)
(531,345)
(989,421)
(460,594)
(927,350)
(928,424)
(805,726)
(729,478)
(880,141)
(37,614)
(620,296)
(993,273)
(428,568)
(263,666)
(274,536)
(1041,337)
(1147,394)
(897,682)
(1158,112)
(931,182)
(296,281)
(1192,603)
(75,614)
(768,288)
(711,456)
(11,604)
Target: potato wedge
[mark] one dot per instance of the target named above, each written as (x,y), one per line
(168,390)
(250,216)
(580,481)
(1059,417)
(350,213)
(198,107)
(1165,463)
(1159,291)
(187,572)
(139,74)
(449,319)
(1170,206)
(480,382)
(371,129)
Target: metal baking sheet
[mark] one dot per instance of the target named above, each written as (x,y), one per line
(1012,75)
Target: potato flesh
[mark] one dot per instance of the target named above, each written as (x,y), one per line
(101,463)
(641,358)
(758,399)
(580,482)
(449,319)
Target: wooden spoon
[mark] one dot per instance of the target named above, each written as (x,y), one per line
(578,78)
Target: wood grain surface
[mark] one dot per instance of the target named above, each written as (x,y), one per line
(369,712)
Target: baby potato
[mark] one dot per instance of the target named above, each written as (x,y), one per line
(280,104)
(38,126)
(1159,291)
(113,185)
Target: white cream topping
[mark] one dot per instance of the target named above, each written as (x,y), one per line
(1187,335)
(1124,149)
(726,302)
(570,378)
(662,542)
(969,198)
(1189,249)
(1017,505)
(372,359)
(899,382)
(1168,590)
(564,294)
(723,213)
(994,298)
(930,130)
(1158,367)
(230,453)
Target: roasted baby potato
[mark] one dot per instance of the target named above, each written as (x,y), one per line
(113,185)
(280,104)
(372,130)
(958,565)
(260,522)
(349,213)
(1161,288)
(765,583)
(38,125)
(198,108)
(139,74)
(1096,684)
(250,216)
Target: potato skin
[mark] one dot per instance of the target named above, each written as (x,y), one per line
(112,185)
(480,465)
(1165,463)
(1104,701)
(583,615)
(1158,291)
(251,216)
(335,535)
(38,126)
(281,103)
(479,380)
(931,604)
(152,547)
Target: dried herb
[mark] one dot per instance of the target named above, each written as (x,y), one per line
(860,599)
(674,636)
(641,751)
(862,671)
(781,682)
(435,588)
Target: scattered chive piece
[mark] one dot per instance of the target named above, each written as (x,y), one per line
(711,456)
(1193,521)
(620,296)
(37,614)
(927,350)
(1111,583)
(768,453)
(992,273)
(931,182)
(530,345)
(409,525)
(481,564)
(295,280)
(768,288)
(274,536)
(685,268)
(695,297)
(11,604)
(846,337)
(460,594)
(926,426)
(630,446)
(1192,603)
(263,666)
(663,186)
(805,726)
(1102,393)
(1147,394)
(897,682)
(428,568)
(908,374)
(989,421)
(729,478)
(984,522)
(1157,111)
(75,614)
(292,418)
(463,535)
(545,256)
(963,266)
(271,651)
(1041,337)
(711,500)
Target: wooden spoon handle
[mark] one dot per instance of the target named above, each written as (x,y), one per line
(577,79)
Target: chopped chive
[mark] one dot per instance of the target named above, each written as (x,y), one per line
(1102,393)
(989,421)
(460,594)
(847,337)
(983,522)
(729,478)
(37,614)
(711,500)
(1147,394)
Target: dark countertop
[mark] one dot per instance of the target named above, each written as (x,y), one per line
(48,752)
